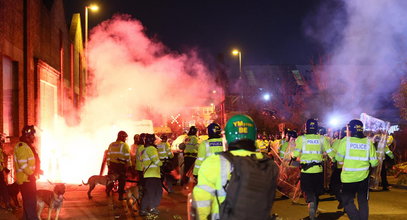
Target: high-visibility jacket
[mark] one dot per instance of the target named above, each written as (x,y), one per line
(139,161)
(335,146)
(164,151)
(151,162)
(118,152)
(283,148)
(213,175)
(357,154)
(191,146)
(206,149)
(387,150)
(24,162)
(262,145)
(310,148)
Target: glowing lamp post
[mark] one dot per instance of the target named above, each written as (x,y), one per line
(92,7)
(238,53)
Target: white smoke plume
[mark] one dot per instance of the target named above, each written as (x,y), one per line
(366,42)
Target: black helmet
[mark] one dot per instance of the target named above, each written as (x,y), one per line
(192,130)
(28,130)
(141,140)
(214,130)
(312,126)
(164,137)
(343,132)
(356,128)
(122,135)
(292,134)
(150,139)
(322,131)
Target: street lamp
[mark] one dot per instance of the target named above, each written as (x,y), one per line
(92,7)
(238,53)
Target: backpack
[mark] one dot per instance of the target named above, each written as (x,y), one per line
(251,188)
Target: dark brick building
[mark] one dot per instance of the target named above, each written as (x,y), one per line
(41,64)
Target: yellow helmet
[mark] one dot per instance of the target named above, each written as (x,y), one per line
(390,139)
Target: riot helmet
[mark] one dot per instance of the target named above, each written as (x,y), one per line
(28,134)
(214,130)
(192,131)
(292,134)
(141,140)
(322,131)
(311,126)
(343,132)
(150,139)
(122,136)
(164,138)
(240,132)
(356,128)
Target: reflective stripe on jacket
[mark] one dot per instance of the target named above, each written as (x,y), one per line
(214,173)
(206,149)
(151,162)
(357,154)
(164,151)
(191,145)
(118,152)
(24,162)
(139,161)
(310,148)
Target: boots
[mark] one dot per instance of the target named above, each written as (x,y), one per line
(312,209)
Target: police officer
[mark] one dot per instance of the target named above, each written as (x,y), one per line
(389,156)
(208,147)
(139,161)
(118,159)
(190,152)
(241,142)
(164,149)
(357,154)
(310,148)
(152,178)
(27,166)
(165,155)
(4,196)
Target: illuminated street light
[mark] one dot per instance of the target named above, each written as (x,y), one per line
(92,7)
(266,97)
(238,53)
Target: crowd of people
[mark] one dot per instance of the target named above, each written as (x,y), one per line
(151,161)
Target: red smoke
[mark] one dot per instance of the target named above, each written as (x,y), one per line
(133,78)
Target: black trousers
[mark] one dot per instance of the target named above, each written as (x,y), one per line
(383,175)
(336,184)
(188,163)
(119,169)
(152,193)
(28,193)
(312,184)
(4,196)
(349,191)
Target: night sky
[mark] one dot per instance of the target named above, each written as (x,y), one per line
(266,31)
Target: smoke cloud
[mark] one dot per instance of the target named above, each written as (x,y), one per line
(134,78)
(366,43)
